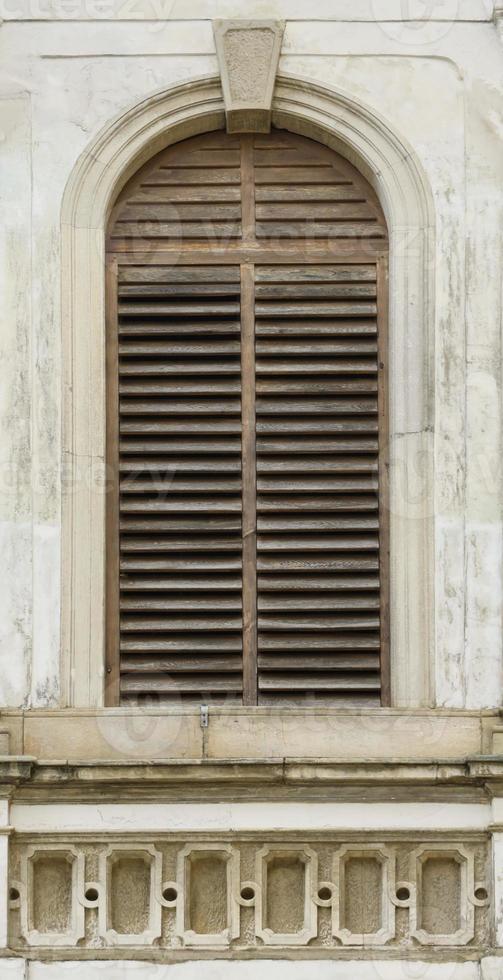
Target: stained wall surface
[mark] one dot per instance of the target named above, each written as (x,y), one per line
(164,839)
(67,70)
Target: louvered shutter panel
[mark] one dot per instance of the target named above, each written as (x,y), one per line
(304,191)
(180,482)
(250,518)
(317,483)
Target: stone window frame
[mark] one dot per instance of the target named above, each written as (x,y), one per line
(357,132)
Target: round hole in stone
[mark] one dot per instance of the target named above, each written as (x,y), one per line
(92,894)
(481,894)
(14,894)
(247,893)
(324,894)
(170,894)
(403,894)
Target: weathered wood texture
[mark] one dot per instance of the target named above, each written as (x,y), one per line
(251,457)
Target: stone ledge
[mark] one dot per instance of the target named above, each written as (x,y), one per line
(464,780)
(336,735)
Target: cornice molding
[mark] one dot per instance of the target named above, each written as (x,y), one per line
(303,780)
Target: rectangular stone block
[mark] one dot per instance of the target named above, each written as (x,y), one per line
(112,734)
(343,735)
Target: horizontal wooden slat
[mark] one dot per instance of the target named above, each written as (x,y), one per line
(315,426)
(284,681)
(323,386)
(315,308)
(309,603)
(311,273)
(154,524)
(181,542)
(177,483)
(315,562)
(299,504)
(196,683)
(313,193)
(207,157)
(179,504)
(157,193)
(317,522)
(314,211)
(179,623)
(147,603)
(348,662)
(141,664)
(312,290)
(176,365)
(175,406)
(320,583)
(315,406)
(294,175)
(268,445)
(151,230)
(167,328)
(320,229)
(183,444)
(179,386)
(324,328)
(216,211)
(179,583)
(324,541)
(163,466)
(179,308)
(317,347)
(299,642)
(189,276)
(187,175)
(315,484)
(333,464)
(182,643)
(181,293)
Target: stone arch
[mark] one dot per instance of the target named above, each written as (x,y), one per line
(360,134)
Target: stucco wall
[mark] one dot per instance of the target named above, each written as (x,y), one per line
(438,82)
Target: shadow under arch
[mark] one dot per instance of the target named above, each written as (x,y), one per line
(359,133)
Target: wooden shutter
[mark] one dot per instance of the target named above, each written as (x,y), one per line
(247,428)
(180,482)
(317,483)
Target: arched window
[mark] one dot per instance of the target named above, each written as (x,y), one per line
(247,522)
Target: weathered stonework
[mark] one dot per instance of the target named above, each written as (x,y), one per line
(335,843)
(241,894)
(248,55)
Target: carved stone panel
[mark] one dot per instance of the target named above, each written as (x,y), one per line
(443,879)
(285,909)
(208,877)
(130,913)
(248,54)
(245,895)
(51,881)
(364,914)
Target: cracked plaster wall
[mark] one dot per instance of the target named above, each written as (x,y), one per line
(439,83)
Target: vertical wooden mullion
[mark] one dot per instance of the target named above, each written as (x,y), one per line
(249,493)
(247,189)
(112,633)
(249,496)
(384,501)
